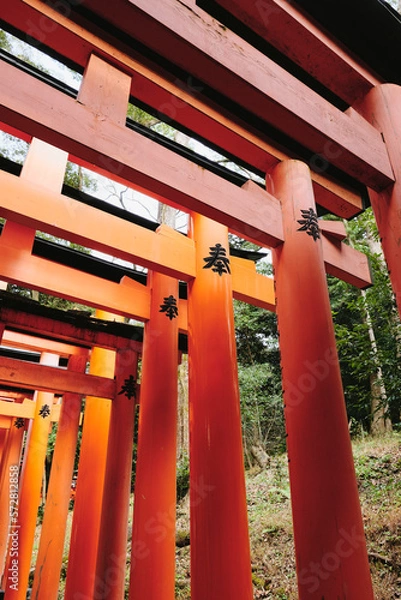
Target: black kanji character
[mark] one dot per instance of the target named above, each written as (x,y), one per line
(128,388)
(19,422)
(169,307)
(309,223)
(44,411)
(218,260)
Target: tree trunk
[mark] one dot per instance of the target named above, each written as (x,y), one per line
(166,215)
(261,457)
(380,422)
(379,407)
(183,421)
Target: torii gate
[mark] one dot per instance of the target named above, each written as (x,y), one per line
(117,356)
(330,546)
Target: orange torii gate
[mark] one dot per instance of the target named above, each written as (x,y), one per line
(84,332)
(236,89)
(87,550)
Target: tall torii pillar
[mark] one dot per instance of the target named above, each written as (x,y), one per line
(220,554)
(382,108)
(113,537)
(3,443)
(5,433)
(153,531)
(90,482)
(51,546)
(23,527)
(329,538)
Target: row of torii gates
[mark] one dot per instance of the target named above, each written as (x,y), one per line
(171,55)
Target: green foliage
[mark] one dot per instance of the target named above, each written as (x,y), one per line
(354,313)
(135,448)
(51,442)
(140,116)
(182,477)
(143,118)
(13,148)
(386,324)
(79,178)
(4,41)
(259,379)
(236,242)
(354,349)
(256,334)
(378,476)
(261,408)
(48,300)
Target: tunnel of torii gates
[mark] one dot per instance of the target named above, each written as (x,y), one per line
(181,63)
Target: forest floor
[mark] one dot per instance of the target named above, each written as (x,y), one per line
(378,468)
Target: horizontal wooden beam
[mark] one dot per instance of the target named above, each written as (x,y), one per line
(32,376)
(15,339)
(25,410)
(250,286)
(334,229)
(125,155)
(19,320)
(345,262)
(130,299)
(192,40)
(13,396)
(34,206)
(21,268)
(127,298)
(37,273)
(173,99)
(289,30)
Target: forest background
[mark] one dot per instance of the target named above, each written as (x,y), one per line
(367,325)
(368,333)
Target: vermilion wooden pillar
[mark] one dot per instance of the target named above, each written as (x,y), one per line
(4,494)
(329,538)
(50,553)
(112,552)
(9,473)
(153,537)
(220,555)
(4,435)
(3,443)
(382,107)
(90,482)
(16,579)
